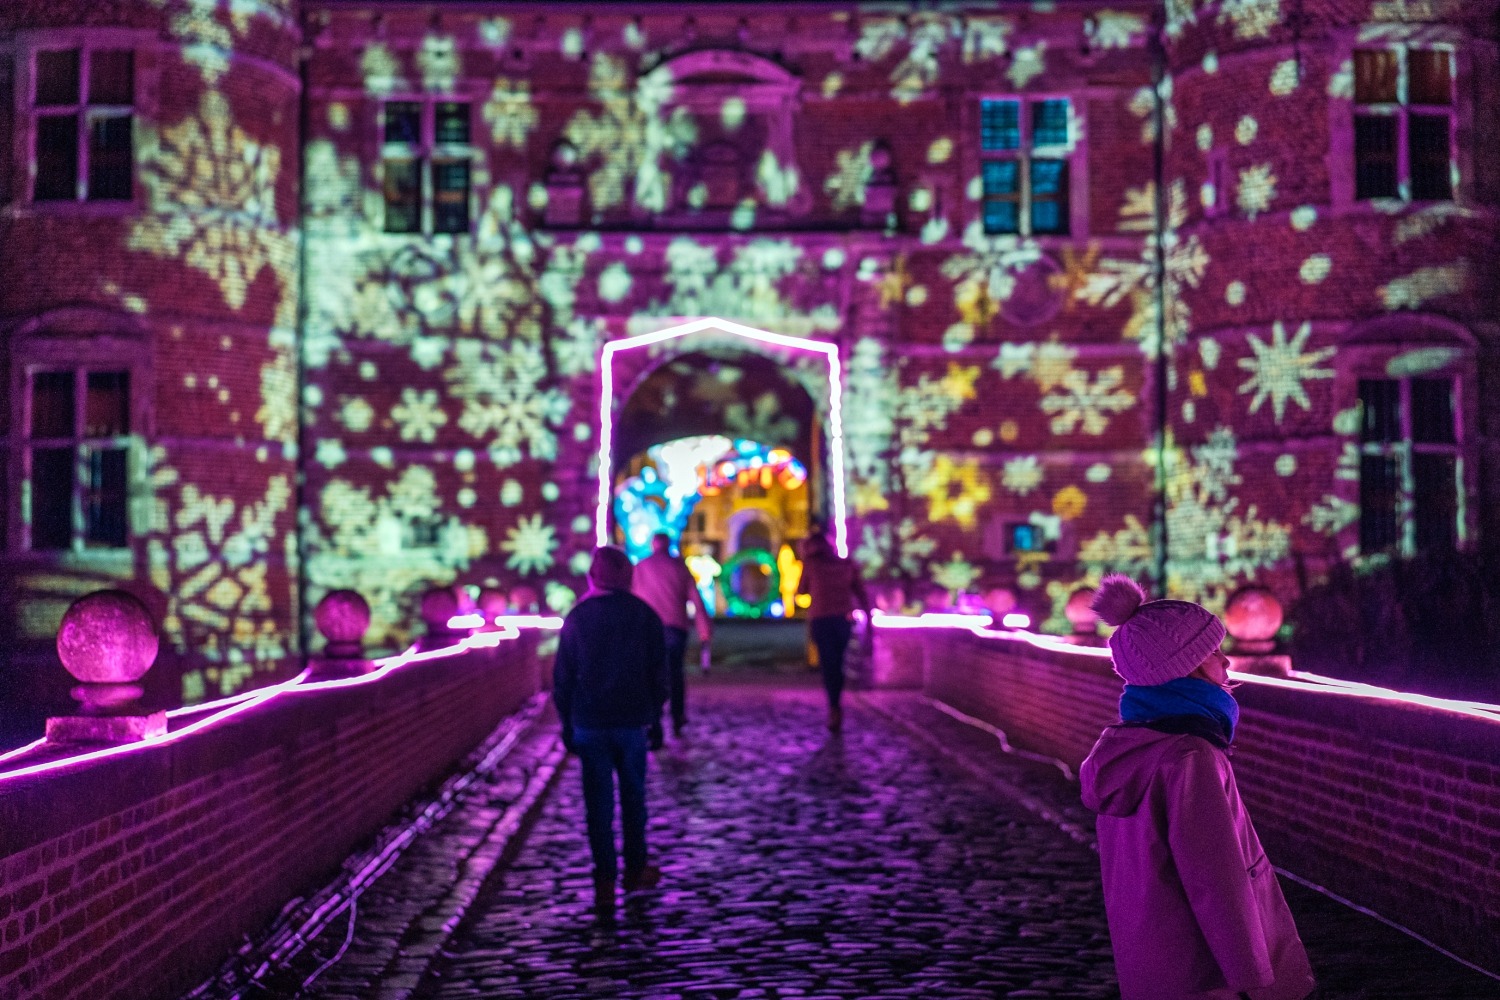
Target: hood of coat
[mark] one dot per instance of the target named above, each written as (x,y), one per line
(1118,771)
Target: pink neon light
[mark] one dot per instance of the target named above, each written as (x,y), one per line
(835,409)
(528,621)
(243,703)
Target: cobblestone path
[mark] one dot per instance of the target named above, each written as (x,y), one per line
(906,858)
(798,864)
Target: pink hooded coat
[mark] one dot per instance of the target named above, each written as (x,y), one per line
(1194,908)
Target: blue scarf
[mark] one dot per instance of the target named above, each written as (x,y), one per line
(1184,696)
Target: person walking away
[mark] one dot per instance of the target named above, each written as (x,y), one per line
(1193,906)
(608,683)
(663,581)
(833,585)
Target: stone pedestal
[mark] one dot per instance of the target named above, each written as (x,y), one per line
(107,641)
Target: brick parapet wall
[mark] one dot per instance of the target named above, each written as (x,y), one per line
(133,876)
(1389,804)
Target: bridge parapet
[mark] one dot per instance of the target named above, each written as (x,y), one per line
(131,869)
(1391,801)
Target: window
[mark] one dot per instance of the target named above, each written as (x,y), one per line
(75,457)
(82,115)
(1024,146)
(1409,465)
(1403,124)
(425,166)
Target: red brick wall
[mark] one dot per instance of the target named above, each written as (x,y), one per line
(1392,805)
(134,876)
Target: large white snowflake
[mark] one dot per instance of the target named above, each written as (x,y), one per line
(504,399)
(1085,404)
(530,545)
(419,415)
(1279,368)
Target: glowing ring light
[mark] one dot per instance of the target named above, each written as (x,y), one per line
(739,607)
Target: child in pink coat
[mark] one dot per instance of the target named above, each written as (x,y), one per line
(1194,908)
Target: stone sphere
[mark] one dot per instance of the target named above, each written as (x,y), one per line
(343,616)
(438,605)
(1080,611)
(1000,600)
(107,637)
(1253,614)
(493,602)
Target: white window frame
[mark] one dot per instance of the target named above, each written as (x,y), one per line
(1402,110)
(83,111)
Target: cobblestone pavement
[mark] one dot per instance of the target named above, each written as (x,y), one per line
(907,857)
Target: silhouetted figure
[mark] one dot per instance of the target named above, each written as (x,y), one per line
(609,682)
(1194,908)
(833,584)
(663,581)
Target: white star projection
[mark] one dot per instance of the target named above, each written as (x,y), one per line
(1278,369)
(529,546)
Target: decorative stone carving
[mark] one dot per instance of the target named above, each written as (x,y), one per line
(108,641)
(343,617)
(880,193)
(440,606)
(1035,296)
(564,188)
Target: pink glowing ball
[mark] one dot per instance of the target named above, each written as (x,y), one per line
(524,599)
(343,616)
(440,604)
(1253,614)
(107,637)
(1080,610)
(493,602)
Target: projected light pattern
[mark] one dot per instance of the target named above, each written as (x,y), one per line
(619,201)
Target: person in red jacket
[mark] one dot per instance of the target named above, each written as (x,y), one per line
(1193,905)
(834,588)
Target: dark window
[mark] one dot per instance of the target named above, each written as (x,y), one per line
(403,122)
(1431,153)
(403,196)
(424,192)
(83,125)
(1025,537)
(1403,124)
(78,459)
(450,196)
(452,122)
(1049,123)
(1376,172)
(1409,465)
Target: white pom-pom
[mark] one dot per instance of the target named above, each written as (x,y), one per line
(1117,598)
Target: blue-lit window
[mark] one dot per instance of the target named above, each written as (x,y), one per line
(82,105)
(426,161)
(1024,148)
(1403,123)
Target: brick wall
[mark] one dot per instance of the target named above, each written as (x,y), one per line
(133,876)
(1391,805)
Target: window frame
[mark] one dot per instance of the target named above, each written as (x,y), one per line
(79,341)
(1072,154)
(427,153)
(28,47)
(1367,354)
(1343,158)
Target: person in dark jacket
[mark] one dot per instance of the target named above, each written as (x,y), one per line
(609,681)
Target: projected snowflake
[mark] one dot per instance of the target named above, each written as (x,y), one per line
(1279,369)
(529,545)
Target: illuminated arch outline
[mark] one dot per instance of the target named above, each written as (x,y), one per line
(835,410)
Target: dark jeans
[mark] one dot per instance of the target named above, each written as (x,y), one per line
(676,652)
(604,753)
(830,634)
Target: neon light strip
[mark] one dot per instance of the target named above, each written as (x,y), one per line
(473,620)
(244,703)
(528,621)
(835,409)
(1307,683)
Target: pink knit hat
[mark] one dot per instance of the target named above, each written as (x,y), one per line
(1154,641)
